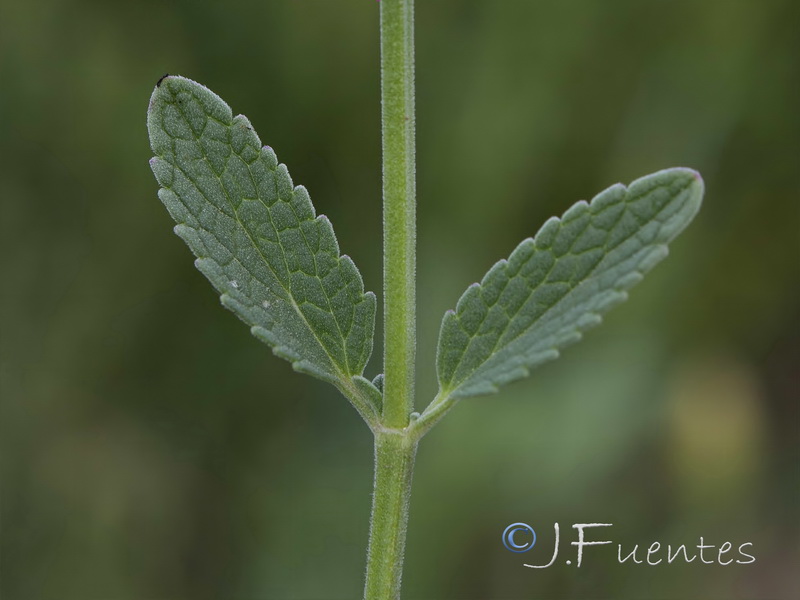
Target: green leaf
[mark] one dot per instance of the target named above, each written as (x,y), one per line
(556,285)
(257,238)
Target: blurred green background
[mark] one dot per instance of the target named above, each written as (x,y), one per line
(152,449)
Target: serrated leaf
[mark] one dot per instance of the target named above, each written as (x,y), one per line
(257,238)
(558,284)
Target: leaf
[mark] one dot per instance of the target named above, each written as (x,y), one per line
(556,285)
(257,238)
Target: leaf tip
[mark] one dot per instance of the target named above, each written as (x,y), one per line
(698,182)
(378,381)
(691,176)
(694,175)
(694,188)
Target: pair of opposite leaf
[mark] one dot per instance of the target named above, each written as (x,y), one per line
(277,265)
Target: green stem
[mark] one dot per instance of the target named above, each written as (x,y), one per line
(394,465)
(399,210)
(395,444)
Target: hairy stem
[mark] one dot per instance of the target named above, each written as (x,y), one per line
(395,444)
(399,209)
(394,465)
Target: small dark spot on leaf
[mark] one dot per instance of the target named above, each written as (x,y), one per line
(162,78)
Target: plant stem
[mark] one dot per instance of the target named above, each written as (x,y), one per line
(399,209)
(395,444)
(394,465)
